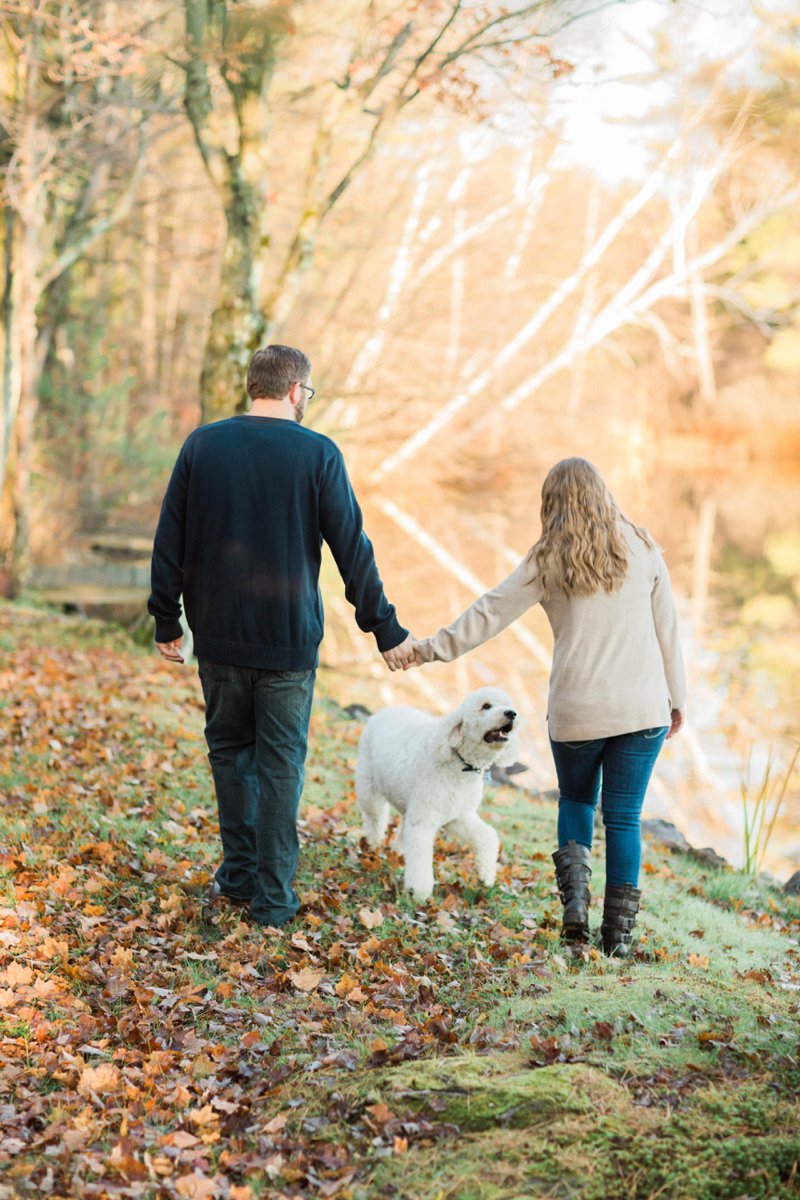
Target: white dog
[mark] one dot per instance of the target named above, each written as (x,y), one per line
(431,770)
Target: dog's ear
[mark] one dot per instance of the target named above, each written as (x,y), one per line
(455,737)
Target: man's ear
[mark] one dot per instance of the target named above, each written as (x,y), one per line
(455,737)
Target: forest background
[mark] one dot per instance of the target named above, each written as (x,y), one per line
(504,234)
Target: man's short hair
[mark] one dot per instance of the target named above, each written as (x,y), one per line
(273,370)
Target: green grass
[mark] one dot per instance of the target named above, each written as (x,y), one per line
(456,1050)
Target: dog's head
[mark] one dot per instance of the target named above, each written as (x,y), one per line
(483,728)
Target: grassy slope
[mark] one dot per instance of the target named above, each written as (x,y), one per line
(375,1049)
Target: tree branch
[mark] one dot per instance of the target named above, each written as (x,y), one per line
(77,247)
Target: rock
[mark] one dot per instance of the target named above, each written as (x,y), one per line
(767,879)
(666,834)
(505,775)
(357,712)
(516,768)
(709,856)
(550,794)
(792,886)
(509,777)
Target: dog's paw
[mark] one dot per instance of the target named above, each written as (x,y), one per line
(420,889)
(488,875)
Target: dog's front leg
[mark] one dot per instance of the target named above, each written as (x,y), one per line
(484,843)
(418,853)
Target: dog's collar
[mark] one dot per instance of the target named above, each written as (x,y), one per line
(468,766)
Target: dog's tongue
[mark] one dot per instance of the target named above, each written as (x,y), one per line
(496,735)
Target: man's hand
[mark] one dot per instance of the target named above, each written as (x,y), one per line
(677,721)
(171,651)
(399,658)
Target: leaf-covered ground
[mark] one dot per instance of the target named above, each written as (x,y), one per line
(374,1048)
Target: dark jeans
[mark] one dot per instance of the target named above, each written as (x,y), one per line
(257,735)
(623,766)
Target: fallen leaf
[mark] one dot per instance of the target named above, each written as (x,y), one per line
(345,985)
(203,1116)
(195,1187)
(276,1124)
(182,1139)
(370,918)
(17,975)
(100,1080)
(307,979)
(380,1113)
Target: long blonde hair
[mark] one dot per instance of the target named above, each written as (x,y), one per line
(581,548)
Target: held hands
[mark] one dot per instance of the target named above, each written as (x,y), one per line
(171,651)
(403,656)
(677,722)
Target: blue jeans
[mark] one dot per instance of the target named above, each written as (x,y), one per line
(257,736)
(622,766)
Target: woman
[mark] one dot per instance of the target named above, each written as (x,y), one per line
(617,686)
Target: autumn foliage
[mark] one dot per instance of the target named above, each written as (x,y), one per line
(149,1048)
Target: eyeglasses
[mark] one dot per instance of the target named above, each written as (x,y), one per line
(311,391)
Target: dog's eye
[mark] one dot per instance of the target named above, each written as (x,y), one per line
(483,706)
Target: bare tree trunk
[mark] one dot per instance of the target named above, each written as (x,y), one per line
(150,292)
(702,338)
(26,196)
(10,348)
(19,477)
(703,548)
(238,325)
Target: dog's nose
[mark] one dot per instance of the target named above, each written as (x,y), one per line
(512,716)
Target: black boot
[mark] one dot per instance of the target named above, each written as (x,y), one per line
(573,872)
(619,917)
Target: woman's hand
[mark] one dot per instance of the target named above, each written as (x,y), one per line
(419,661)
(677,722)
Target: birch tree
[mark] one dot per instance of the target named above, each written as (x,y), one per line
(669,271)
(72,139)
(388,56)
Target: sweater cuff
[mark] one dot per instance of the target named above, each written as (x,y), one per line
(168,631)
(390,634)
(425,650)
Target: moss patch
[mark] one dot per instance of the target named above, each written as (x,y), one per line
(477,1093)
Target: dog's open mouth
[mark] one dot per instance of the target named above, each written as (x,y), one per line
(501,734)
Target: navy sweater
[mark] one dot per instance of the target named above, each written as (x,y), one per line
(240,537)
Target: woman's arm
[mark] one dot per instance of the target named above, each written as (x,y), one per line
(486,617)
(665,619)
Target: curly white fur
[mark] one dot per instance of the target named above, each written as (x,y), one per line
(420,765)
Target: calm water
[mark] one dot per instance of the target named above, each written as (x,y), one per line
(447,527)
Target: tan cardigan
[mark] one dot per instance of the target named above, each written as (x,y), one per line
(617,661)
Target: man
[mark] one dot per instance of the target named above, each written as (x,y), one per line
(240,535)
